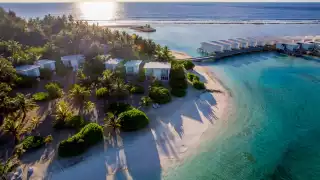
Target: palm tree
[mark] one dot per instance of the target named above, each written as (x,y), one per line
(79,95)
(113,122)
(16,126)
(107,79)
(8,166)
(62,111)
(24,104)
(119,89)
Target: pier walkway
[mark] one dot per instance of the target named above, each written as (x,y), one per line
(233,52)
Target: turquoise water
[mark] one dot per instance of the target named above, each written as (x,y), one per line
(274,131)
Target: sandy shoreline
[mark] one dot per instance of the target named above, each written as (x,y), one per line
(175,132)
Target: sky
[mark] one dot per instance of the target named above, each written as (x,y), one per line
(162,0)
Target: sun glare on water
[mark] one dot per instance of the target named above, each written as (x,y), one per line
(98,11)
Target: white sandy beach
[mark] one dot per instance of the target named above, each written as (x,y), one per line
(175,131)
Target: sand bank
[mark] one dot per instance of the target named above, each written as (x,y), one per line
(175,132)
(180,55)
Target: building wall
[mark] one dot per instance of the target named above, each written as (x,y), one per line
(135,69)
(157,73)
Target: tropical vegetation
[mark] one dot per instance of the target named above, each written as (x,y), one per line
(89,135)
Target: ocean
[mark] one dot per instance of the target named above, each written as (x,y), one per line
(204,13)
(273,133)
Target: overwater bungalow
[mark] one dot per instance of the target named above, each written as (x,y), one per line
(251,43)
(210,48)
(226,46)
(307,46)
(234,45)
(243,44)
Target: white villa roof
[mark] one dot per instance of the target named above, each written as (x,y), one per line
(157,65)
(45,61)
(26,67)
(114,61)
(72,57)
(133,63)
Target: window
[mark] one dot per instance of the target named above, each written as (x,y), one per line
(164,74)
(129,69)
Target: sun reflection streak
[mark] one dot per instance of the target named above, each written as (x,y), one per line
(98,11)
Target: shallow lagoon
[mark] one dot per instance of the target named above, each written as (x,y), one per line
(273,132)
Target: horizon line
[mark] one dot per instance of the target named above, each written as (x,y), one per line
(177,1)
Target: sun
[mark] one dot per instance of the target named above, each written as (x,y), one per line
(98,11)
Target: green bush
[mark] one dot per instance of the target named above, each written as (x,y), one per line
(177,77)
(188,64)
(46,73)
(54,90)
(137,89)
(77,144)
(102,93)
(160,95)
(146,101)
(132,120)
(75,122)
(192,77)
(32,142)
(40,96)
(141,75)
(198,85)
(179,92)
(156,83)
(26,82)
(117,108)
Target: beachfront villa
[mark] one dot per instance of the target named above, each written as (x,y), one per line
(29,70)
(46,63)
(133,66)
(159,70)
(73,61)
(112,64)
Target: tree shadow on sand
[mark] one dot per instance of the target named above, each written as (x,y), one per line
(135,156)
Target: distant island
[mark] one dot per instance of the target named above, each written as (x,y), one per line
(146,28)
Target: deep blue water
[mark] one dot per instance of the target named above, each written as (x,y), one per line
(203,12)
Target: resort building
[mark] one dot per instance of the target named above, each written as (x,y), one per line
(234,45)
(46,63)
(226,46)
(210,48)
(243,44)
(287,46)
(73,61)
(133,66)
(251,43)
(307,46)
(112,64)
(159,70)
(28,70)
